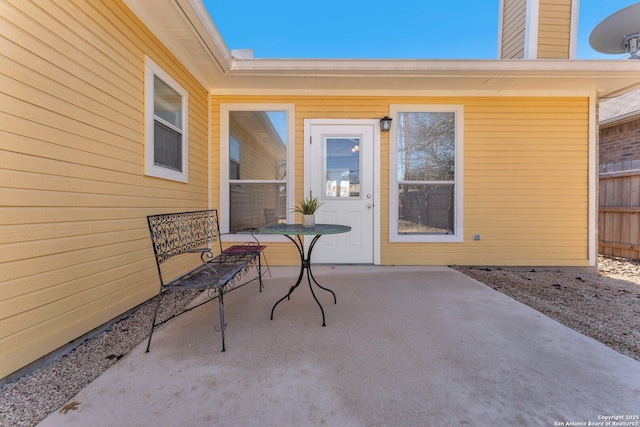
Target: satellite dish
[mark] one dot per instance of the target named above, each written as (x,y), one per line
(619,33)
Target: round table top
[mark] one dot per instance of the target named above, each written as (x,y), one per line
(300,230)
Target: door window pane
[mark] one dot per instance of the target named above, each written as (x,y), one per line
(342,167)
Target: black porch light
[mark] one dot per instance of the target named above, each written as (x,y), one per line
(385,124)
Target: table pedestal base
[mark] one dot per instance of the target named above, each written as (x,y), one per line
(305,264)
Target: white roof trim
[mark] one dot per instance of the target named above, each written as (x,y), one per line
(383,67)
(186,28)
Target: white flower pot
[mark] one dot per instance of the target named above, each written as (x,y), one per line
(308,220)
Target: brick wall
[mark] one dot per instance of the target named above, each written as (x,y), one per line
(620,142)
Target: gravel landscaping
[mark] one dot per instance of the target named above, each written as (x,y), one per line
(31,398)
(605,307)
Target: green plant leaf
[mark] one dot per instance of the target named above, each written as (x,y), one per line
(308,206)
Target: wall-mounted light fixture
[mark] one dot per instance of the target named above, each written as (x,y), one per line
(385,124)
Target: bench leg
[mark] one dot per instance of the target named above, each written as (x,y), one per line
(223,325)
(153,322)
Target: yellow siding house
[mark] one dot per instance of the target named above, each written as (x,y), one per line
(117,109)
(538,29)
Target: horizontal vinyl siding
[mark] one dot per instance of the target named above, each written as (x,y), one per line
(75,249)
(513,29)
(306,107)
(525,178)
(526,186)
(554,29)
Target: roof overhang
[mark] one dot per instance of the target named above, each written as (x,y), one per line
(186,28)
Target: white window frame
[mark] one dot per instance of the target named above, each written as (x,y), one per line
(225,109)
(458,233)
(152,70)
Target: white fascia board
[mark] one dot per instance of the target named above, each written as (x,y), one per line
(407,67)
(373,77)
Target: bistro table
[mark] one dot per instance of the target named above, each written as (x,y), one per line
(297,230)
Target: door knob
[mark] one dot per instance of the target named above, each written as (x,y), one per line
(369,205)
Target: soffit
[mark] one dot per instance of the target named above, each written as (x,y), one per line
(187,30)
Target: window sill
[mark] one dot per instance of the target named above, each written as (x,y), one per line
(416,238)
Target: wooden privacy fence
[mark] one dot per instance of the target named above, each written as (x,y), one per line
(619,210)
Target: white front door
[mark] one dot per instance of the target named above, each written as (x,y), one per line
(339,170)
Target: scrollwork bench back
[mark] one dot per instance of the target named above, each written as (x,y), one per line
(218,271)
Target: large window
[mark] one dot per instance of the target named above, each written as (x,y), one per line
(256,174)
(166,125)
(426,174)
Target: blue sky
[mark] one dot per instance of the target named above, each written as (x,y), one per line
(412,29)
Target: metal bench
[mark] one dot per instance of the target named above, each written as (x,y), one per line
(197,232)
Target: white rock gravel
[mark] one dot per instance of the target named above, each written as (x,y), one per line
(605,307)
(28,400)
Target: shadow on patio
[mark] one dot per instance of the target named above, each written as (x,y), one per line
(403,346)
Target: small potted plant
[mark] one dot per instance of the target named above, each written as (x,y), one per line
(308,208)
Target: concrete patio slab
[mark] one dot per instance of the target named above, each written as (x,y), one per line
(403,346)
